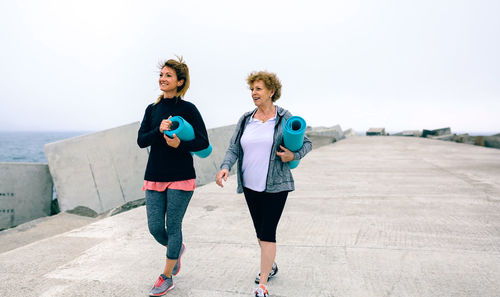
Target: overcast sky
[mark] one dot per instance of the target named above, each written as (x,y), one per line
(93,64)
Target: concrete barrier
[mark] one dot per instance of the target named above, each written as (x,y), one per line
(100,171)
(376,132)
(445,137)
(436,132)
(479,140)
(464,138)
(25,193)
(105,170)
(334,131)
(492,141)
(320,136)
(350,133)
(409,133)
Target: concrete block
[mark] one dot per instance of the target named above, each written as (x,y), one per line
(100,170)
(445,137)
(479,140)
(492,141)
(334,132)
(350,133)
(25,193)
(376,132)
(464,138)
(409,133)
(207,168)
(436,132)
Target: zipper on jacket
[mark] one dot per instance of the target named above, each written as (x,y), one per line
(240,130)
(240,149)
(271,155)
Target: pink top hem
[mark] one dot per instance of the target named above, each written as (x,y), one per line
(183,185)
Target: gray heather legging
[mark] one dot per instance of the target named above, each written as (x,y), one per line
(170,205)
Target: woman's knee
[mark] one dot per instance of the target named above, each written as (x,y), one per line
(267,235)
(158,231)
(268,238)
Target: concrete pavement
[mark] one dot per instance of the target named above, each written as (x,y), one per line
(371,216)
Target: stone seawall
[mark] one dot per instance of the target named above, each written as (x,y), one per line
(25,193)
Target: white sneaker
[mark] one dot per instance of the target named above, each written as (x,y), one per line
(261,291)
(273,272)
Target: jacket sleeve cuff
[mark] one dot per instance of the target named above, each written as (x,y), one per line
(296,156)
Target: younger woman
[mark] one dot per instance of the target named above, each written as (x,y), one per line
(169,180)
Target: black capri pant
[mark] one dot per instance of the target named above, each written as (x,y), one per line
(265,209)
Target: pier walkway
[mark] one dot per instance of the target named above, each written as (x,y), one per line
(371,216)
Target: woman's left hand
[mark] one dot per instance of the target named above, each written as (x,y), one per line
(173,142)
(286,155)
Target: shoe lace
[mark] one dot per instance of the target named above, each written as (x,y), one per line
(273,270)
(159,281)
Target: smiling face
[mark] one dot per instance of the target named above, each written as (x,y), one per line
(168,82)
(261,95)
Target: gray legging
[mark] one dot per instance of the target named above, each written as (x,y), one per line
(170,205)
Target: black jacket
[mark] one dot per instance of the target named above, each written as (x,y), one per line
(166,163)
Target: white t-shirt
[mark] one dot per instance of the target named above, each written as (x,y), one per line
(257,142)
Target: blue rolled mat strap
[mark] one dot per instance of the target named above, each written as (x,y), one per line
(293,136)
(205,152)
(185,132)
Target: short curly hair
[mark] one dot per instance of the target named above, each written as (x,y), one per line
(271,81)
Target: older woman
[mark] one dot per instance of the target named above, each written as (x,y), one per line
(264,175)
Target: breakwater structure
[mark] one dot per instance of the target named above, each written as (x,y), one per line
(446,134)
(101,173)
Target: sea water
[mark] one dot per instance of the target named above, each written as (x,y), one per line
(23,146)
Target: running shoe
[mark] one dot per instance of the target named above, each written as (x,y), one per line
(273,272)
(261,291)
(162,286)
(177,266)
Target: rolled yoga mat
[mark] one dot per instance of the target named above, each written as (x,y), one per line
(293,136)
(184,131)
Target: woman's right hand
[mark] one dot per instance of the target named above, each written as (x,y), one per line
(223,174)
(165,124)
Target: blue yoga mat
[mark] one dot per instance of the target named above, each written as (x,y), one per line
(293,136)
(184,131)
